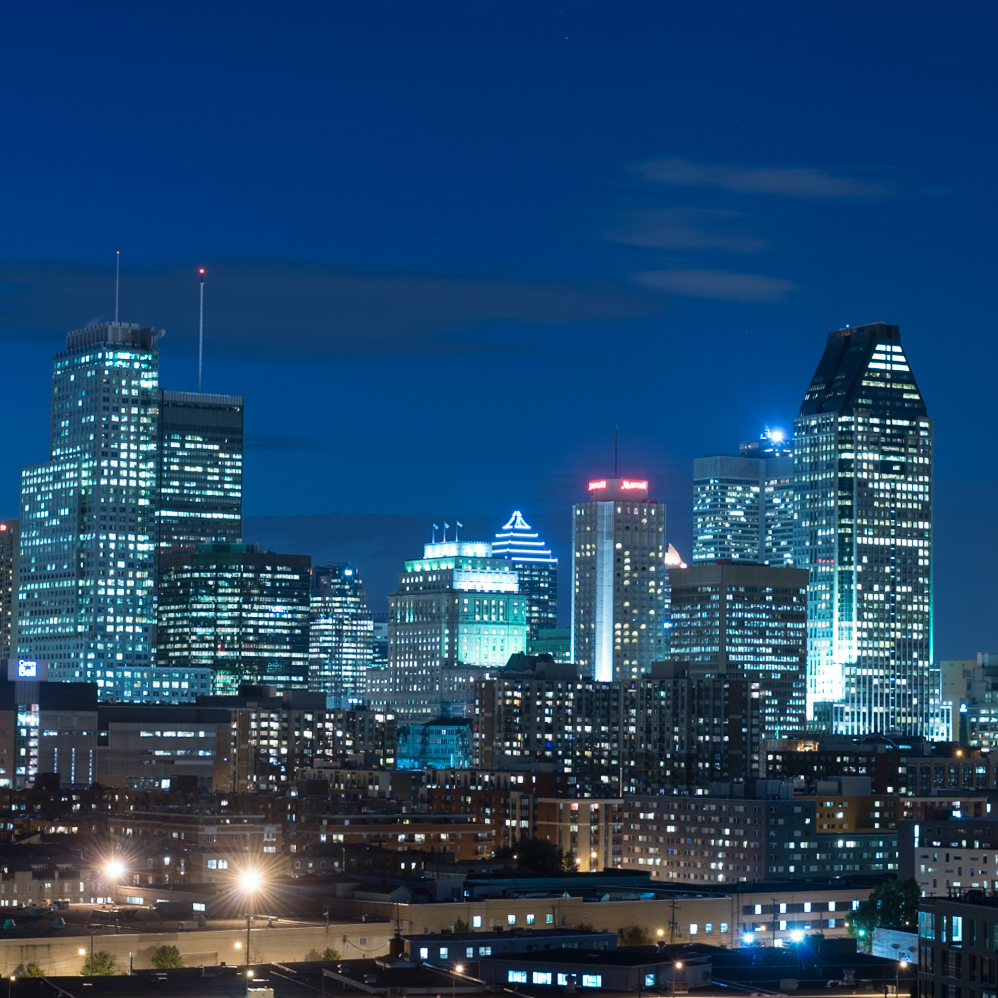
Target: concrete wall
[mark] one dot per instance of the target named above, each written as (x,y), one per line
(610,916)
(57,954)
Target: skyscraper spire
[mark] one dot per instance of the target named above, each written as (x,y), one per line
(201,330)
(537,571)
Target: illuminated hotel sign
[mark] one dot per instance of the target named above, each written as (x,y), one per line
(624,484)
(27,670)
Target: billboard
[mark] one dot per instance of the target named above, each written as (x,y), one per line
(27,670)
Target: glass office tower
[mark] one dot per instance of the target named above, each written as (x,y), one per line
(537,570)
(455,607)
(10,552)
(200,470)
(87,552)
(619,581)
(863,528)
(748,622)
(743,506)
(341,633)
(238,610)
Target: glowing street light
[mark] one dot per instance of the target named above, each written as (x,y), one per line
(114,869)
(250,883)
(797,936)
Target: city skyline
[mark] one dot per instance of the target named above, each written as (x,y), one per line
(427,234)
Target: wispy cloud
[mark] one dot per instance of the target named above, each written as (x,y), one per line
(686,229)
(794,182)
(293,311)
(720,284)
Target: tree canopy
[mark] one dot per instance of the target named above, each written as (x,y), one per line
(891,905)
(102,965)
(537,857)
(165,957)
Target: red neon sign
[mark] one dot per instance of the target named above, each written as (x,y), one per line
(601,484)
(626,483)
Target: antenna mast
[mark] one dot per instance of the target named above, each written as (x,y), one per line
(117,281)
(616,435)
(201,331)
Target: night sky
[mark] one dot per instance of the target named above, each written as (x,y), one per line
(451,245)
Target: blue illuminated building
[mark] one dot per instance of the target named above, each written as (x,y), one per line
(446,743)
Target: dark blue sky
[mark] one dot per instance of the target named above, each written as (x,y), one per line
(451,245)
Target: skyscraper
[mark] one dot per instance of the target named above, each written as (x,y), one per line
(9,556)
(456,606)
(341,632)
(618,581)
(863,528)
(87,558)
(745,621)
(536,569)
(238,610)
(199,488)
(743,506)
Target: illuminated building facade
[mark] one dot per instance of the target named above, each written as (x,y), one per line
(618,581)
(9,555)
(200,470)
(743,507)
(536,569)
(542,716)
(863,479)
(341,632)
(87,551)
(239,611)
(455,606)
(746,622)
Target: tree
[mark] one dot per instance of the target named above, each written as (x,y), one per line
(165,957)
(537,858)
(891,905)
(29,970)
(634,935)
(330,954)
(461,925)
(102,965)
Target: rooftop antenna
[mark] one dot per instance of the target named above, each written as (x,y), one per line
(117,281)
(201,331)
(616,436)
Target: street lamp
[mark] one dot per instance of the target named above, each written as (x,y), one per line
(903,962)
(458,969)
(250,883)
